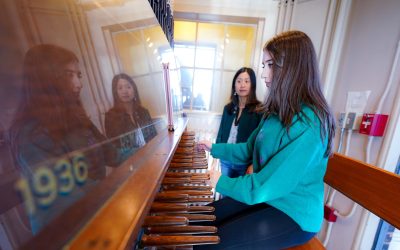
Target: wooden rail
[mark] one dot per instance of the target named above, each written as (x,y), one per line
(375,189)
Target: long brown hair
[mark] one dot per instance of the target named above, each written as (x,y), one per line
(47,97)
(296,82)
(252,100)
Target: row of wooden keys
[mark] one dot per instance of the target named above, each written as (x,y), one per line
(182,201)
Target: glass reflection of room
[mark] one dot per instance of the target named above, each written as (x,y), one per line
(50,124)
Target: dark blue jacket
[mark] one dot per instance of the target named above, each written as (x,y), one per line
(248,122)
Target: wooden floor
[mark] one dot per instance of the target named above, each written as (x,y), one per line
(313,244)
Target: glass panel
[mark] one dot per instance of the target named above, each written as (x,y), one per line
(130,45)
(221,48)
(239,46)
(167,55)
(387,237)
(216,103)
(69,118)
(202,82)
(156,47)
(185,54)
(205,56)
(175,81)
(224,90)
(185,31)
(210,42)
(186,84)
(149,88)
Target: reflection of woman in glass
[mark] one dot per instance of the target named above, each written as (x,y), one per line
(128,118)
(51,122)
(239,118)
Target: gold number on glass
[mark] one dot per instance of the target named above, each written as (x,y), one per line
(22,186)
(66,182)
(79,168)
(44,186)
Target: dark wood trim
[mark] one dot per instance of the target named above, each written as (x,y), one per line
(375,189)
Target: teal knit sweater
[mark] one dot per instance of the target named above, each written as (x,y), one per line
(288,168)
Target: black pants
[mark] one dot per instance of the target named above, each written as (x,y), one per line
(260,226)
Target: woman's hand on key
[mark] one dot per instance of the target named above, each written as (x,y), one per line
(214,177)
(205,145)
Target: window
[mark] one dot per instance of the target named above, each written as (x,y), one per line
(387,236)
(141,51)
(209,55)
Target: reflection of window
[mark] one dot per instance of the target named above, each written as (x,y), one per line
(140,49)
(196,82)
(209,54)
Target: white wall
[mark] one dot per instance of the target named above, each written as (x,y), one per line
(369,48)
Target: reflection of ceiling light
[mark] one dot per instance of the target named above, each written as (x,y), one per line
(155,51)
(150,45)
(226,40)
(148,39)
(227,34)
(222,46)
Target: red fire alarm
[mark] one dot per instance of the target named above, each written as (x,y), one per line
(329,214)
(373,124)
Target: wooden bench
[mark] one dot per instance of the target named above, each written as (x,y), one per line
(375,189)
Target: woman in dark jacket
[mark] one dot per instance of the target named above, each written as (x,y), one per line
(239,118)
(128,123)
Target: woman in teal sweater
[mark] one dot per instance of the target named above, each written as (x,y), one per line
(280,204)
(239,118)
